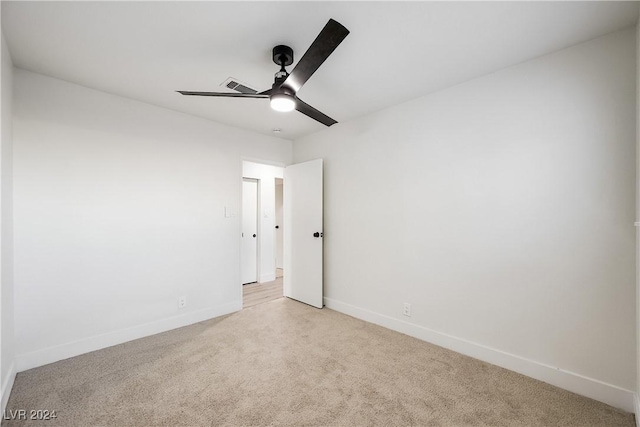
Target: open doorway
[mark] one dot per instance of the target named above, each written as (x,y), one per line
(268,263)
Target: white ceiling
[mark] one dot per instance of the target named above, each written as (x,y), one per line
(396,50)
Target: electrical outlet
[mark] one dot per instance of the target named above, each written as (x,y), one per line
(182,302)
(406,309)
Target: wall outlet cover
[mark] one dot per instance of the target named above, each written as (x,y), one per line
(406,309)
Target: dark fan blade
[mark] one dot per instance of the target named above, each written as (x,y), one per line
(308,110)
(327,41)
(225,94)
(265,92)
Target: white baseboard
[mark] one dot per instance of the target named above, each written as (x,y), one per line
(636,401)
(589,387)
(64,351)
(267,277)
(7,385)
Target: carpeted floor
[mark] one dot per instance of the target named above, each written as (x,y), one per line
(285,363)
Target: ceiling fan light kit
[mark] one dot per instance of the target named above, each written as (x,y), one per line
(283,94)
(282,102)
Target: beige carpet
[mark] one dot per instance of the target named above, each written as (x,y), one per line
(285,363)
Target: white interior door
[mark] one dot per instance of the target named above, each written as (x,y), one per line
(303,232)
(279,224)
(249,239)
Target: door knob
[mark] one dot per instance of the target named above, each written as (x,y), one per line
(316,234)
(254,235)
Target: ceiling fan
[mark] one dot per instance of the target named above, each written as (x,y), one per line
(282,94)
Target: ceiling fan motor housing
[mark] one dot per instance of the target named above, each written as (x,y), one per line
(279,89)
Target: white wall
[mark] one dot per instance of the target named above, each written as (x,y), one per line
(119,211)
(266,174)
(502,209)
(7,343)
